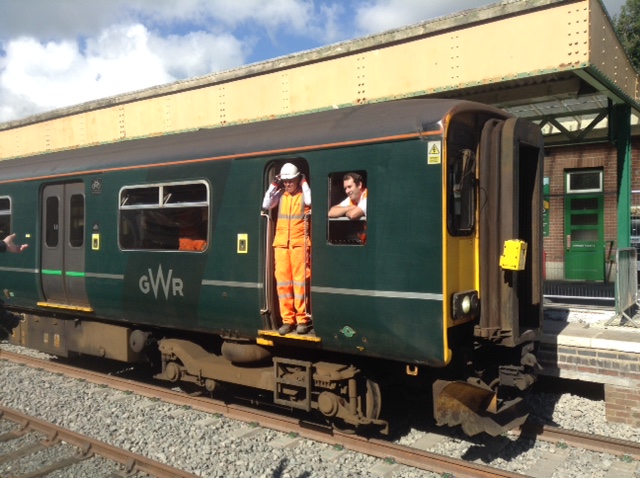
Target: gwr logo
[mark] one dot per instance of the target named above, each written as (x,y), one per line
(169,284)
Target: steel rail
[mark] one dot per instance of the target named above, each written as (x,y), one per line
(374,447)
(598,443)
(88,445)
(416,458)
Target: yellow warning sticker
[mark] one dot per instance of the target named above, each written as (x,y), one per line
(435,152)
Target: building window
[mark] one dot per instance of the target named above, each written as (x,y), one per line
(585,181)
(171,216)
(5,217)
(348,208)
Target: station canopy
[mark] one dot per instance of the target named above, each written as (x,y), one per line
(556,62)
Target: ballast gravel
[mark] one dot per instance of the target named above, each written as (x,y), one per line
(214,446)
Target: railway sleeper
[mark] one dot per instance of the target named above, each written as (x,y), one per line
(341,393)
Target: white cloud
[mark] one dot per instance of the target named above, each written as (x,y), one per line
(64,52)
(380,15)
(56,54)
(332,22)
(374,16)
(121,59)
(198,53)
(70,18)
(31,66)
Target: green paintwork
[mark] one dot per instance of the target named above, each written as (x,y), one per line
(383,299)
(584,221)
(404,205)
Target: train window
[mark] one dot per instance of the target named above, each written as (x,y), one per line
(172,216)
(347,217)
(76,229)
(140,196)
(52,222)
(462,192)
(5,216)
(185,194)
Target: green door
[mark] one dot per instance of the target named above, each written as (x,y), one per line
(584,237)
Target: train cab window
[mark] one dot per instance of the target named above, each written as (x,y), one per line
(5,216)
(52,222)
(347,217)
(462,192)
(171,216)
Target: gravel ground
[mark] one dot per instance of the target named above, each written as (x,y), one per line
(214,446)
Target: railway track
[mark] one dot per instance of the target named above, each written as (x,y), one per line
(597,443)
(391,453)
(36,435)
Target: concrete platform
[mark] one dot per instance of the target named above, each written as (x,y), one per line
(592,336)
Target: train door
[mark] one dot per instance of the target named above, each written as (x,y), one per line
(584,226)
(272,317)
(63,244)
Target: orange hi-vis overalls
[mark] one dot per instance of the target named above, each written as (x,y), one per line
(291,246)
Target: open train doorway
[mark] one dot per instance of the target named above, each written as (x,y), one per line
(286,209)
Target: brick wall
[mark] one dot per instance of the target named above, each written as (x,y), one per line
(618,371)
(622,404)
(604,155)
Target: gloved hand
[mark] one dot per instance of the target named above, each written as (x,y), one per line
(306,190)
(277,182)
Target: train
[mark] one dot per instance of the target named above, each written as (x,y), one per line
(157,250)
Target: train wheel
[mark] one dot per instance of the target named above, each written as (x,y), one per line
(373,400)
(369,408)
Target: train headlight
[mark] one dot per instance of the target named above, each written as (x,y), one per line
(465,305)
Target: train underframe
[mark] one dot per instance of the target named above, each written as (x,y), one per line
(473,393)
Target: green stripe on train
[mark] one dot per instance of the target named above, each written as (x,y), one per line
(50,272)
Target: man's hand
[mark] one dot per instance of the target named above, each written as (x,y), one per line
(277,182)
(11,247)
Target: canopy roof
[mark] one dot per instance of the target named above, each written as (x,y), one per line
(557,62)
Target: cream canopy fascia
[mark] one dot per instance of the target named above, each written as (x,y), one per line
(557,62)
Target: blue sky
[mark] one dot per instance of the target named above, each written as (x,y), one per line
(57,53)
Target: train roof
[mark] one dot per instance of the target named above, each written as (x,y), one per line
(336,127)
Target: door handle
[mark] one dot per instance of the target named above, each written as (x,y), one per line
(568,241)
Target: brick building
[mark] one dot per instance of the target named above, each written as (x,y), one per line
(590,206)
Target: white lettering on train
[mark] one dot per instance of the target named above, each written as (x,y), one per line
(168,284)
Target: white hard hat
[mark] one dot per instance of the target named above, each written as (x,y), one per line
(289,171)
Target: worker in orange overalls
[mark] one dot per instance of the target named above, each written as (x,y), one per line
(291,193)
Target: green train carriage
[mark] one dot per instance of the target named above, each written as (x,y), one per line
(159,244)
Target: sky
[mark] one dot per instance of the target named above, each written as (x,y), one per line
(58,53)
